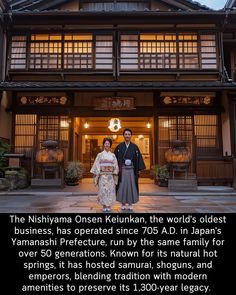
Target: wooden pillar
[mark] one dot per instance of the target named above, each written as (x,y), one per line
(234,142)
(155,127)
(71,139)
(232,115)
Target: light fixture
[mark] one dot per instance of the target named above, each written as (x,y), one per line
(148,125)
(114,124)
(86,125)
(140,137)
(114,136)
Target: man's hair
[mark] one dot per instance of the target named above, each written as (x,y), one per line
(127,129)
(107,139)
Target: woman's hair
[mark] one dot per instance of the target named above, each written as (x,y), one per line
(107,139)
(127,129)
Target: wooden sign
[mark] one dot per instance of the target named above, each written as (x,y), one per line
(187,100)
(43,100)
(114,103)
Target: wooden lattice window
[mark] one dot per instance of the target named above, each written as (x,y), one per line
(104,52)
(78,51)
(54,128)
(25,132)
(171,128)
(188,51)
(18,53)
(129,52)
(157,51)
(45,51)
(208,52)
(114,5)
(206,129)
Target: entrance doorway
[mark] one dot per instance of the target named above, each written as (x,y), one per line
(89,134)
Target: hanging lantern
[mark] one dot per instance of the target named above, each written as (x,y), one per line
(114,124)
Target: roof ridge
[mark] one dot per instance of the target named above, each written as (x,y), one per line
(21,5)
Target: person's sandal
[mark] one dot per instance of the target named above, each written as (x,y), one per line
(123,207)
(130,208)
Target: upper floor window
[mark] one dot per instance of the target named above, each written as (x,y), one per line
(114,5)
(57,51)
(45,51)
(18,52)
(168,51)
(94,52)
(78,51)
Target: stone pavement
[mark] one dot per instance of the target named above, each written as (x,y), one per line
(55,203)
(153,199)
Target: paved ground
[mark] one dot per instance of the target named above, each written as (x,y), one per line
(153,199)
(88,204)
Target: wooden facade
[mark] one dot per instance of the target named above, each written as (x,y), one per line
(166,69)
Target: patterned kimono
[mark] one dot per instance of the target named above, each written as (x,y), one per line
(105,170)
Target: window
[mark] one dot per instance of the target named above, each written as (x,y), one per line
(18,52)
(57,51)
(186,51)
(95,52)
(206,133)
(114,5)
(200,130)
(104,52)
(45,51)
(78,51)
(171,128)
(129,52)
(25,130)
(157,51)
(208,51)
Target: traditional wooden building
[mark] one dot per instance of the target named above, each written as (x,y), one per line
(229,46)
(76,71)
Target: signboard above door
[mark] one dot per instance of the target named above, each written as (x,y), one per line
(114,103)
(43,100)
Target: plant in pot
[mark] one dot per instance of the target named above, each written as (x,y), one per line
(162,174)
(73,172)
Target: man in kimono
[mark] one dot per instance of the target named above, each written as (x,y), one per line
(130,163)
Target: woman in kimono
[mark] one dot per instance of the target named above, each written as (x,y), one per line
(105,170)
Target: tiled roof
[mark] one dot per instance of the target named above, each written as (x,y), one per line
(230,4)
(117,85)
(42,5)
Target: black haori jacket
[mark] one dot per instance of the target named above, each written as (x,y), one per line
(132,153)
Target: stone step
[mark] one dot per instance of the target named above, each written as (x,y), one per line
(181,185)
(179,175)
(38,182)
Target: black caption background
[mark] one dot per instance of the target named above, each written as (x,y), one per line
(221,277)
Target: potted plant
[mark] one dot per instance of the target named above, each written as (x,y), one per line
(161,174)
(73,172)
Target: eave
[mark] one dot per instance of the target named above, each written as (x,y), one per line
(103,17)
(113,86)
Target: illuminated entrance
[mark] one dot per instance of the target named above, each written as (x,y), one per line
(89,134)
